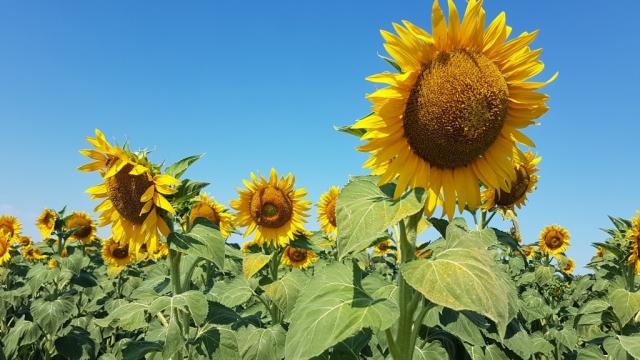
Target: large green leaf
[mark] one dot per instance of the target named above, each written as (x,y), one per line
(204,240)
(22,333)
(231,293)
(136,350)
(625,304)
(51,315)
(465,279)
(432,351)
(631,344)
(261,344)
(217,342)
(284,292)
(332,308)
(364,212)
(129,316)
(178,168)
(76,345)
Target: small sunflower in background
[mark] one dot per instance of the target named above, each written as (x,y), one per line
(554,239)
(249,247)
(529,251)
(11,227)
(452,115)
(424,253)
(134,193)
(5,246)
(25,242)
(569,267)
(85,228)
(600,251)
(116,254)
(298,258)
(382,248)
(53,263)
(525,167)
(327,211)
(633,235)
(206,207)
(272,209)
(46,222)
(33,254)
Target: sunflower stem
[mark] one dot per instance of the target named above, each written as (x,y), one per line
(174,268)
(407,244)
(488,220)
(274,263)
(516,228)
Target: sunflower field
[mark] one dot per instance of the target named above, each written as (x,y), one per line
(445,143)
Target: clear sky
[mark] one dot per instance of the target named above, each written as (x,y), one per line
(256,84)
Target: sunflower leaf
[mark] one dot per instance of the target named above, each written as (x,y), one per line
(365,211)
(259,344)
(631,344)
(332,298)
(204,240)
(625,304)
(252,263)
(465,279)
(178,168)
(285,292)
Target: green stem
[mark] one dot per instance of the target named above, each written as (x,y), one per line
(418,324)
(174,269)
(274,263)
(516,228)
(406,301)
(483,220)
(392,344)
(186,282)
(488,220)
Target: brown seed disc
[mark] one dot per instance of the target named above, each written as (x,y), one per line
(83,231)
(553,242)
(518,189)
(121,253)
(297,255)
(125,190)
(271,208)
(331,212)
(456,109)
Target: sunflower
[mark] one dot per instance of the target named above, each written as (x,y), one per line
(11,226)
(452,116)
(32,254)
(327,210)
(633,235)
(382,248)
(116,254)
(272,209)
(554,239)
(5,241)
(569,267)
(25,242)
(84,226)
(298,258)
(162,251)
(46,222)
(529,251)
(524,165)
(249,247)
(424,254)
(208,208)
(134,192)
(53,263)
(600,252)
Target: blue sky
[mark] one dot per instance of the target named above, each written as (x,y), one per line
(260,84)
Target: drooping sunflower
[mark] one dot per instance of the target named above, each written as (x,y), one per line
(116,254)
(298,258)
(46,222)
(206,207)
(11,227)
(554,239)
(33,254)
(84,226)
(25,242)
(5,246)
(529,251)
(569,267)
(452,117)
(327,211)
(382,248)
(633,235)
(525,167)
(134,193)
(271,208)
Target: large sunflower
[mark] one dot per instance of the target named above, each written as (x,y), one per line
(116,254)
(525,167)
(633,235)
(206,207)
(554,239)
(134,192)
(451,118)
(11,227)
(271,208)
(298,258)
(84,226)
(5,246)
(46,222)
(327,210)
